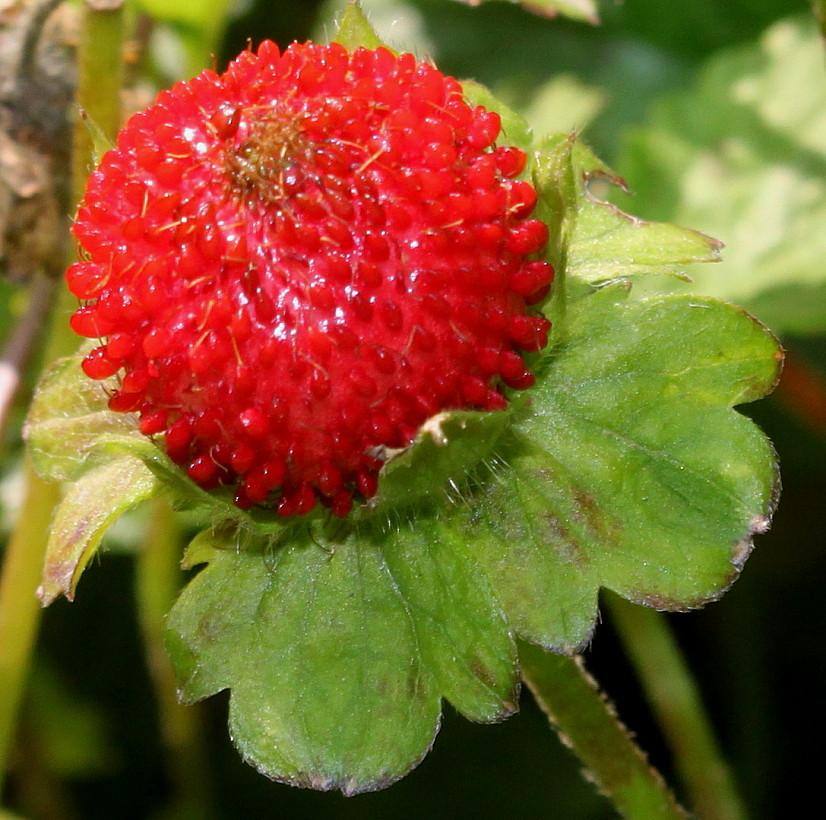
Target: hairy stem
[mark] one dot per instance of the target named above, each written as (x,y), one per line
(588,723)
(99,58)
(675,699)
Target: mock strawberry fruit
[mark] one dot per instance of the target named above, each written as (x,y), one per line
(292,265)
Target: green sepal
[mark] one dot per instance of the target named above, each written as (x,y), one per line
(519,535)
(460,627)
(68,421)
(92,504)
(101,143)
(355,30)
(213,505)
(437,465)
(553,175)
(320,656)
(556,184)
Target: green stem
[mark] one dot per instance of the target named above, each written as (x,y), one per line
(99,80)
(587,722)
(99,60)
(19,609)
(675,699)
(159,580)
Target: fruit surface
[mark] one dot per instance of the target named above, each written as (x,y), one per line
(291,266)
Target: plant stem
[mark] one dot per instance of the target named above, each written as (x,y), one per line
(675,699)
(99,60)
(159,580)
(19,609)
(99,80)
(588,723)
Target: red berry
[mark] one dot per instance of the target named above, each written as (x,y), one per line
(295,263)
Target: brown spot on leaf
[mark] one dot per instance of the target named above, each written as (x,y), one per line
(209,628)
(480,670)
(565,547)
(606,528)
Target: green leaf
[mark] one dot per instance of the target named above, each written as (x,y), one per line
(462,633)
(751,170)
(217,504)
(355,31)
(100,140)
(320,654)
(590,240)
(631,472)
(608,243)
(93,502)
(336,648)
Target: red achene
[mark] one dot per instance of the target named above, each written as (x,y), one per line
(292,265)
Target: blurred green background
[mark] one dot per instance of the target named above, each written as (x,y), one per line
(715,113)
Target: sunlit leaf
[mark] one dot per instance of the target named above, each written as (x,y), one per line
(609,243)
(751,170)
